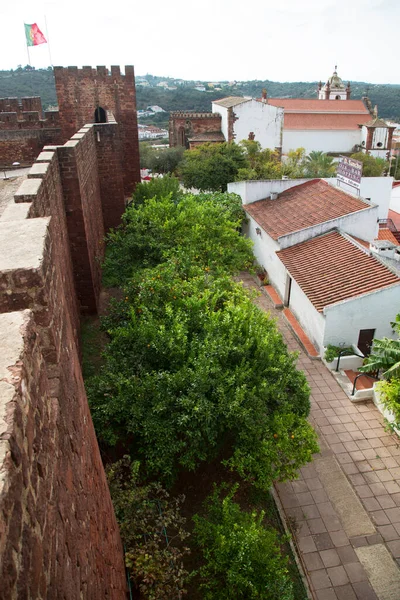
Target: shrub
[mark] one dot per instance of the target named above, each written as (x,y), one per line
(333,352)
(390,395)
(193,363)
(158,187)
(150,524)
(242,558)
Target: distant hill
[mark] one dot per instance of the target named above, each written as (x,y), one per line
(40,82)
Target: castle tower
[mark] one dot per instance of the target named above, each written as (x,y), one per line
(334,89)
(90,95)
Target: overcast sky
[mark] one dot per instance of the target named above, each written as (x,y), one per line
(280,40)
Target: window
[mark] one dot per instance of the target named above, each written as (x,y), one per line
(379,144)
(100,115)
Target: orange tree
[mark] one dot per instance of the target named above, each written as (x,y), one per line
(193,368)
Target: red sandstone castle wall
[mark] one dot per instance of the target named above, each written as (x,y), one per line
(24,131)
(191,124)
(58,534)
(81,91)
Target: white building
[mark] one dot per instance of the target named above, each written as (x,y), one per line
(314,240)
(322,125)
(247,118)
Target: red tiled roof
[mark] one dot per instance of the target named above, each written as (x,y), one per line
(395,216)
(386,234)
(360,241)
(326,106)
(310,120)
(302,206)
(330,268)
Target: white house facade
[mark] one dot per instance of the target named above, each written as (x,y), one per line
(314,239)
(247,118)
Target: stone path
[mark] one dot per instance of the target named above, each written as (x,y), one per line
(344,509)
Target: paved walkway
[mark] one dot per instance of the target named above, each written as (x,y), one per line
(344,510)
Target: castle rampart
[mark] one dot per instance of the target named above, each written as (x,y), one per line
(58,533)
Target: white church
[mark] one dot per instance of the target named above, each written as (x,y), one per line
(332,123)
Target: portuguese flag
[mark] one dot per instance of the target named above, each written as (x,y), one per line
(34,36)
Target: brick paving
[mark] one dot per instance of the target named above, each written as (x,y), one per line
(369,457)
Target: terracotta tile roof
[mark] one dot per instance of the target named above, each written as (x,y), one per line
(379,123)
(386,234)
(395,216)
(302,206)
(360,241)
(330,268)
(327,106)
(230,101)
(309,120)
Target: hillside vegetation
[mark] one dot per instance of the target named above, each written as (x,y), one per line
(28,82)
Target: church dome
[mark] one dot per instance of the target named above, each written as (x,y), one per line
(335,81)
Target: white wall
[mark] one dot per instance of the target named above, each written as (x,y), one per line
(216,108)
(380,136)
(362,224)
(265,249)
(371,311)
(310,319)
(395,199)
(378,189)
(251,191)
(325,140)
(264,120)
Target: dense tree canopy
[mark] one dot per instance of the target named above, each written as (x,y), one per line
(372,167)
(193,368)
(212,166)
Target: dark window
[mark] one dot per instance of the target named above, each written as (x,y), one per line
(100,115)
(379,144)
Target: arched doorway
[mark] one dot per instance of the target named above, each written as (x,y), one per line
(100,115)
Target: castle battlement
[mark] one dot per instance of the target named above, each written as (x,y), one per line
(187,114)
(99,72)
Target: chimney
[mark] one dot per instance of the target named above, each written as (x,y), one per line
(384,248)
(274,195)
(264,96)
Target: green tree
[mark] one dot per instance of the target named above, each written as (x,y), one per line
(160,160)
(193,365)
(294,164)
(319,164)
(385,355)
(158,187)
(152,531)
(210,167)
(263,164)
(372,167)
(203,229)
(242,557)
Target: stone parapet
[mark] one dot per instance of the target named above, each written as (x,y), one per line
(58,533)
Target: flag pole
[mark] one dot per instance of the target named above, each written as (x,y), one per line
(27,49)
(48,40)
